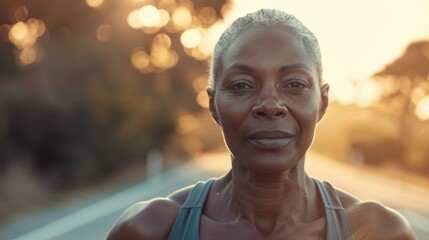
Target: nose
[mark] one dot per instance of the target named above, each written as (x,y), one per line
(269,108)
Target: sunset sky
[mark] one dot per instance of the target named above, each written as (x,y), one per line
(357,38)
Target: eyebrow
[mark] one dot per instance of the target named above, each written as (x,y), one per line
(298,66)
(240,66)
(286,68)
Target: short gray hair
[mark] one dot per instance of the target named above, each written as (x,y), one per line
(266,18)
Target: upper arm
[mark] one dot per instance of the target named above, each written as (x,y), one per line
(372,220)
(146,220)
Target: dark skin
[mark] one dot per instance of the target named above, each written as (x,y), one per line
(267,100)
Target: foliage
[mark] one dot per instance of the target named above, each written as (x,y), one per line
(405,85)
(76,101)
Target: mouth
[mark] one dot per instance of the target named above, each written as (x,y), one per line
(270,139)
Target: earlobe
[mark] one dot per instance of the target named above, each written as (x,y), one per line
(212,106)
(324,100)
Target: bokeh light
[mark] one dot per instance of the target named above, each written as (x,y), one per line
(163,57)
(19,35)
(162,40)
(182,17)
(186,123)
(207,15)
(94,3)
(200,83)
(140,59)
(24,36)
(103,32)
(149,16)
(422,109)
(133,19)
(27,56)
(203,99)
(191,38)
(164,17)
(85,83)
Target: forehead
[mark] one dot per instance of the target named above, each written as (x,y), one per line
(268,48)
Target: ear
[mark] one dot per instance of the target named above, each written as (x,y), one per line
(212,106)
(324,100)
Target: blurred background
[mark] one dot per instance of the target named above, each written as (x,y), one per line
(100,94)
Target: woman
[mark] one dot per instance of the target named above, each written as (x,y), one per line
(267,95)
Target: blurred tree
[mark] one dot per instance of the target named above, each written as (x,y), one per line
(88,86)
(405,84)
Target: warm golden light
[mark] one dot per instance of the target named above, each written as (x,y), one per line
(151,30)
(197,54)
(203,99)
(159,56)
(191,144)
(356,56)
(133,19)
(94,3)
(36,27)
(207,15)
(103,32)
(162,40)
(366,93)
(18,32)
(190,38)
(24,36)
(163,57)
(206,44)
(422,109)
(164,18)
(139,58)
(186,124)
(200,84)
(28,56)
(149,16)
(182,17)
(417,94)
(168,5)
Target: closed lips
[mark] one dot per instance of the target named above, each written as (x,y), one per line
(270,135)
(270,139)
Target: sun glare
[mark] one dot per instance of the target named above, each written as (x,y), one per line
(357,40)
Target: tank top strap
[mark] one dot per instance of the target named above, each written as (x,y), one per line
(338,225)
(187,223)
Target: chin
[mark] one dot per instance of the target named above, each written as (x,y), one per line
(271,162)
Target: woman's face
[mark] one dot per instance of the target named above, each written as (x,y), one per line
(267,99)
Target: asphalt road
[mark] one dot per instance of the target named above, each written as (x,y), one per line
(93,218)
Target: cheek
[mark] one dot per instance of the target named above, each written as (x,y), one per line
(306,117)
(231,115)
(230,112)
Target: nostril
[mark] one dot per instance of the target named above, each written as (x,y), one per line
(260,114)
(279,114)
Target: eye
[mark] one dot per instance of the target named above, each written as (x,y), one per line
(295,85)
(241,86)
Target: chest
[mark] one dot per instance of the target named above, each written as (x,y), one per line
(212,230)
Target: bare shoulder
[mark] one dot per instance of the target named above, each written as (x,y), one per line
(151,219)
(373,220)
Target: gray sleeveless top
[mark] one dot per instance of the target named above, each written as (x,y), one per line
(187,224)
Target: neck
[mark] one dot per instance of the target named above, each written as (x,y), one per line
(272,200)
